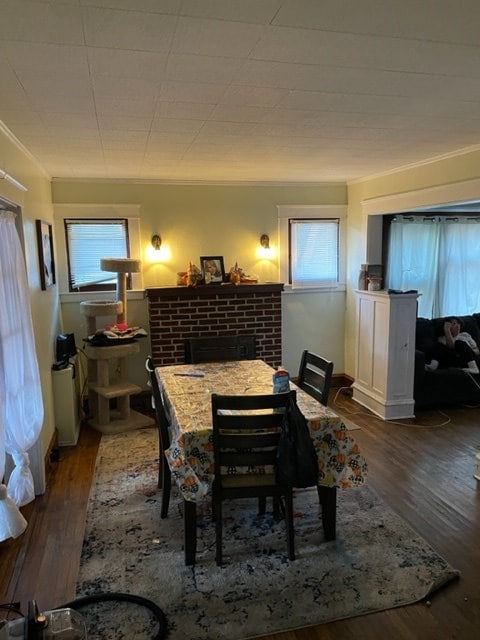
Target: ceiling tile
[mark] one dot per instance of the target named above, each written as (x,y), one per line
(191,68)
(252,11)
(124,63)
(215,37)
(128,29)
(26,21)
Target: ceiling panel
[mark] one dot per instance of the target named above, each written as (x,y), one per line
(264,90)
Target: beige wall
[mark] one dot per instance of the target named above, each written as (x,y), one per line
(35,204)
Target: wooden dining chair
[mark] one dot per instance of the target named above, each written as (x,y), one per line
(164,474)
(315,376)
(219,348)
(245,435)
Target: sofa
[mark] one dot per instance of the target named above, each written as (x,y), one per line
(443,387)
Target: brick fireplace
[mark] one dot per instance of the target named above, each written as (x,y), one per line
(177,313)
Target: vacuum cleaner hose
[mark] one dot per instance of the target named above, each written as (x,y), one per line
(123,597)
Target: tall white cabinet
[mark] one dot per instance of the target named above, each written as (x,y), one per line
(66,397)
(385,353)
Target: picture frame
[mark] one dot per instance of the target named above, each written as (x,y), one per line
(45,254)
(213,269)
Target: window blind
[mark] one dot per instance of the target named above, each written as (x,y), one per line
(314,246)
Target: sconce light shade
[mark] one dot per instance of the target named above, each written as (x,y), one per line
(265,241)
(156,242)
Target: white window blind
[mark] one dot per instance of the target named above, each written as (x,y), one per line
(90,240)
(314,252)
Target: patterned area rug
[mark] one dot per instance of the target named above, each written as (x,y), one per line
(377,561)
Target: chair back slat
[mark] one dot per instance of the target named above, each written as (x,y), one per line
(241,441)
(249,459)
(245,422)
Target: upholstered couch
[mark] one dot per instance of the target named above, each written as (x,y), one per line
(443,386)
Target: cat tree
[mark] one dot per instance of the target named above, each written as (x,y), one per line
(107,368)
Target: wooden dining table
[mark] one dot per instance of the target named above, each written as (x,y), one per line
(186,391)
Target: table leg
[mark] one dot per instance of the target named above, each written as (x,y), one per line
(190,530)
(328,502)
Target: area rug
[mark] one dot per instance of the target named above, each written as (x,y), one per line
(377,561)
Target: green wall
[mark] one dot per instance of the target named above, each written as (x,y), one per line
(201,220)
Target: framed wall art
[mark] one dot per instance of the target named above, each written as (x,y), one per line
(45,254)
(213,269)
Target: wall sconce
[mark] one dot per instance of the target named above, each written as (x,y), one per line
(157,251)
(264,251)
(265,241)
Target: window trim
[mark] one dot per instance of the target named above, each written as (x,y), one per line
(302,212)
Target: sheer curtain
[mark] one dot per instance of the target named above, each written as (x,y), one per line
(21,404)
(440,257)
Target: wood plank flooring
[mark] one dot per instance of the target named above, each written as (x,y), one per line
(425,473)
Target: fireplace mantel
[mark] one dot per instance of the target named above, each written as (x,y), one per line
(209,290)
(177,313)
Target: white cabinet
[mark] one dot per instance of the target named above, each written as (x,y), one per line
(66,397)
(385,353)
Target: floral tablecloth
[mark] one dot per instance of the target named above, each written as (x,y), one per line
(187,400)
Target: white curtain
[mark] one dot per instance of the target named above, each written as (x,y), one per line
(459,291)
(438,256)
(21,404)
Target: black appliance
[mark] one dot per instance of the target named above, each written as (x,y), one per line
(65,349)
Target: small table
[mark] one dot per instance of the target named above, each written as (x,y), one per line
(187,390)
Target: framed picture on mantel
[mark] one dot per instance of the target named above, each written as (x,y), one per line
(213,269)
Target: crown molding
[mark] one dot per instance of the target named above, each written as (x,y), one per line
(455,193)
(4,130)
(210,183)
(416,165)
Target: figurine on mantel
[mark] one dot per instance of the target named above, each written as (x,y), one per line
(194,275)
(237,275)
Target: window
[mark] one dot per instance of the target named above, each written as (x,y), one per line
(312,246)
(314,252)
(437,256)
(88,241)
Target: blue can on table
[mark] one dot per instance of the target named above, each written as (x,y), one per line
(281,381)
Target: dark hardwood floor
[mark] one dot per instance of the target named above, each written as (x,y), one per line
(424,472)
